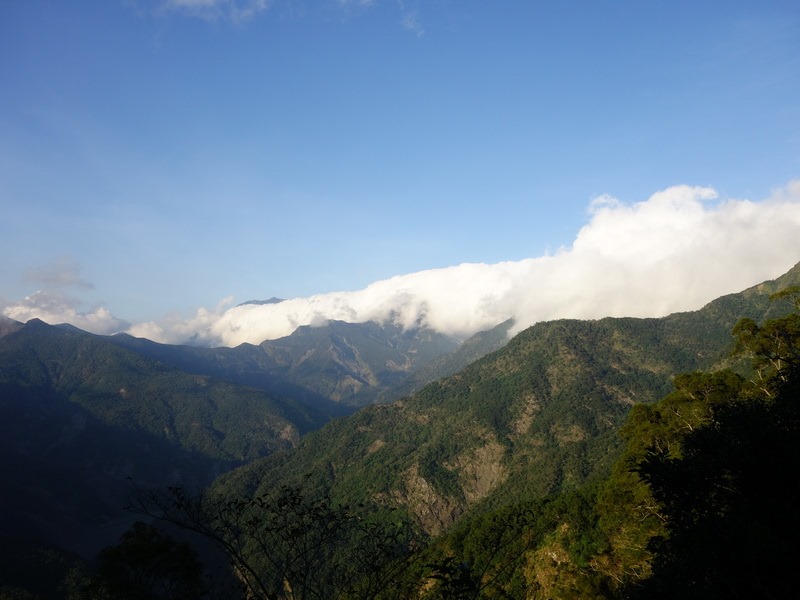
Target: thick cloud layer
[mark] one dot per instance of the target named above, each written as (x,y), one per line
(675,251)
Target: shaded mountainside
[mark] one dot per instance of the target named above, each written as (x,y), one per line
(537,417)
(245,365)
(330,367)
(79,415)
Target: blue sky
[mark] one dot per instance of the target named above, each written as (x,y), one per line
(157,156)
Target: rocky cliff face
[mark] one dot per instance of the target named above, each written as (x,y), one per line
(433,511)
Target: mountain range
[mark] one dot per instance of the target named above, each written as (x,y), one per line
(409,419)
(80,416)
(335,367)
(537,417)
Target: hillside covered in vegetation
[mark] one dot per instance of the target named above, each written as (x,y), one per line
(618,458)
(700,502)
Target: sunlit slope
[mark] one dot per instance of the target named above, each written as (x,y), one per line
(536,417)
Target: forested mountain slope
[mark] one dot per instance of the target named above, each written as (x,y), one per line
(473,348)
(79,415)
(505,467)
(698,503)
(537,417)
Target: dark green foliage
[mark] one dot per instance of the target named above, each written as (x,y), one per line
(289,544)
(536,549)
(731,505)
(12,593)
(773,347)
(32,569)
(45,365)
(150,565)
(730,498)
(454,580)
(630,516)
(703,503)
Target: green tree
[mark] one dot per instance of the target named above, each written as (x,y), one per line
(774,347)
(730,499)
(730,505)
(286,544)
(631,516)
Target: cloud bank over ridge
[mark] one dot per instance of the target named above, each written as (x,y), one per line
(677,250)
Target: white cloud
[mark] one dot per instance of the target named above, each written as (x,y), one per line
(55,307)
(675,251)
(176,330)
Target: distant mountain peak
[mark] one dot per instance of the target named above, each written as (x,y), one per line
(272,300)
(35,323)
